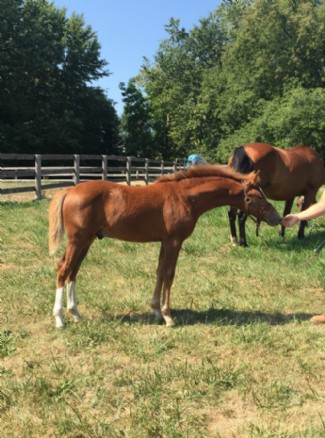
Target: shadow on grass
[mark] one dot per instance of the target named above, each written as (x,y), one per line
(218,317)
(292,243)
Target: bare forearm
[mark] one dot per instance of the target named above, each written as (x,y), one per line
(312,212)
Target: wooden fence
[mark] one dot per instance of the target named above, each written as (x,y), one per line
(52,171)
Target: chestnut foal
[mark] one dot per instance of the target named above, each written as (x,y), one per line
(166,212)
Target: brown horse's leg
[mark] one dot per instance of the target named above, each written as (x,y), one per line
(242,232)
(155,301)
(258,225)
(171,253)
(309,199)
(69,263)
(287,210)
(232,215)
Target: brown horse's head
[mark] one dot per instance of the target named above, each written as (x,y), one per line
(255,202)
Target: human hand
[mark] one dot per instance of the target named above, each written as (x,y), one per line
(290,220)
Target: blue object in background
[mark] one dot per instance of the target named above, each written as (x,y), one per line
(193,160)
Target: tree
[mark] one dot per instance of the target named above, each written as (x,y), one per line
(298,117)
(47,63)
(136,130)
(173,83)
(216,84)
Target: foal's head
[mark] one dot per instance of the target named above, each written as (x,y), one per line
(255,202)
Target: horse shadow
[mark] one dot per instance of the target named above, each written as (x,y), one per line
(212,316)
(311,241)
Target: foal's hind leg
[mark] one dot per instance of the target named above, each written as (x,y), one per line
(67,271)
(71,285)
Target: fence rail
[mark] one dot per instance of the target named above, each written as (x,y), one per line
(52,170)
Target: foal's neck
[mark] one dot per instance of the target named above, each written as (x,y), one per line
(216,192)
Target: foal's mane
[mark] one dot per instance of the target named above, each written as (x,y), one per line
(201,171)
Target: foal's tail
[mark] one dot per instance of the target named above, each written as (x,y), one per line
(56,226)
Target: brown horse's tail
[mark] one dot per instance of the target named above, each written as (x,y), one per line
(240,161)
(56,226)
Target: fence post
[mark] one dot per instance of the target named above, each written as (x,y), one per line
(128,170)
(38,176)
(76,174)
(104,167)
(174,165)
(162,167)
(146,167)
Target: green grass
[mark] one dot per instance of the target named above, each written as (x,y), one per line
(244,359)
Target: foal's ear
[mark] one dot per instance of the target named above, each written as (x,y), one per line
(253,179)
(256,177)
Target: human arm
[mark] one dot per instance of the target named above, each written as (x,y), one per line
(313,212)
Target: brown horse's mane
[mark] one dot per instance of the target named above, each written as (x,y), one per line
(201,171)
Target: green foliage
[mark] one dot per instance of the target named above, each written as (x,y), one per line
(298,117)
(47,63)
(136,131)
(251,71)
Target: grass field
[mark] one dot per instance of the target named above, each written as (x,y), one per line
(243,361)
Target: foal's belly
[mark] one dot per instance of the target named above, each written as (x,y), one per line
(137,231)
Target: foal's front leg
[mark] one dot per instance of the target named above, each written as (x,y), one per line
(171,253)
(155,301)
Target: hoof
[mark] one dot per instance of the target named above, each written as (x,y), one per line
(59,323)
(233,241)
(158,315)
(169,322)
(75,314)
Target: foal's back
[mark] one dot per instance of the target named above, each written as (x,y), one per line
(137,214)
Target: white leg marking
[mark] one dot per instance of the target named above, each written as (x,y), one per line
(168,319)
(72,301)
(58,307)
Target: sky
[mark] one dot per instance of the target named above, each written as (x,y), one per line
(129,30)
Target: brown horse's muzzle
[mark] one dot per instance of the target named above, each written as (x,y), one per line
(273,219)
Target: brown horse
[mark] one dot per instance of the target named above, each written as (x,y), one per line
(284,174)
(166,212)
